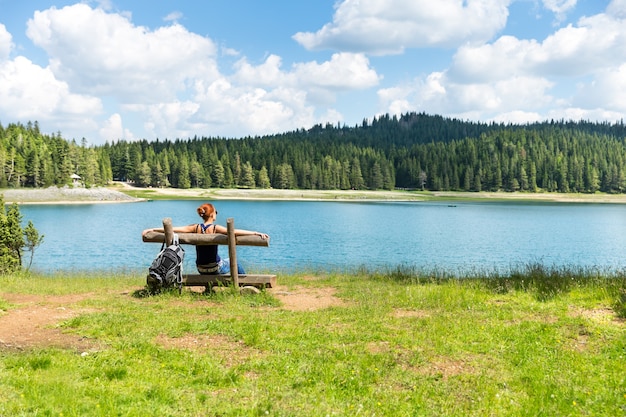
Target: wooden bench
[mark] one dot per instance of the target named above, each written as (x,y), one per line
(235,279)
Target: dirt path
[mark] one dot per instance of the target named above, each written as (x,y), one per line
(36,320)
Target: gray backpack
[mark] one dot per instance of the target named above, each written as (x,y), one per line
(166,270)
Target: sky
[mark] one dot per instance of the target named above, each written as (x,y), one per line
(112,70)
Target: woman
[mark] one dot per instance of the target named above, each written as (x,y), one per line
(208,260)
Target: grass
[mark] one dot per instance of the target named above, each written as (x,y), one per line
(402,342)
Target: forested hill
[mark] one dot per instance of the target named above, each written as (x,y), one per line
(415,150)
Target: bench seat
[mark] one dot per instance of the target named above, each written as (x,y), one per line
(253,280)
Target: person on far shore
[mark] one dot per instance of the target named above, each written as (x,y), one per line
(208,260)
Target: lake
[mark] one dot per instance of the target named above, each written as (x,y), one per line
(343,236)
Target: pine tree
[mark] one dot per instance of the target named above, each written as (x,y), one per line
(247,175)
(12,238)
(264,179)
(33,240)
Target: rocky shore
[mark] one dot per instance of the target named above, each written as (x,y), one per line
(64,195)
(115,194)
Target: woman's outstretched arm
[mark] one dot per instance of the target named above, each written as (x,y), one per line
(241,232)
(178,229)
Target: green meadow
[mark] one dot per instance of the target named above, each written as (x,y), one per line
(400,342)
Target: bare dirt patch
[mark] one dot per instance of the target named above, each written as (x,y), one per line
(230,352)
(402,313)
(34,322)
(308,299)
(446,368)
(598,315)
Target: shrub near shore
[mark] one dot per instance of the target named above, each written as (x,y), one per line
(398,342)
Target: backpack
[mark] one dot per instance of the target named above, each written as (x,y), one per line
(166,270)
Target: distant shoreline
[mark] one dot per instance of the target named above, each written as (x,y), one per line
(364,195)
(122,192)
(65,195)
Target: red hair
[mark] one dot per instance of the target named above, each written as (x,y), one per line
(206,210)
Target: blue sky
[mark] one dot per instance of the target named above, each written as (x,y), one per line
(121,69)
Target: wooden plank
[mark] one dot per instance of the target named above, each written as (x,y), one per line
(232,251)
(208,239)
(255,280)
(167,229)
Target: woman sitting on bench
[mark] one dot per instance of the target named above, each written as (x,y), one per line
(208,261)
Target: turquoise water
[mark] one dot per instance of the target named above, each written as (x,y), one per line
(333,236)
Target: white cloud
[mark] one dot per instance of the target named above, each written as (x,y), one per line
(441,95)
(513,79)
(344,71)
(617,8)
(172,117)
(595,43)
(559,7)
(607,90)
(269,73)
(173,17)
(103,53)
(112,129)
(518,117)
(267,98)
(390,26)
(167,80)
(6,43)
(253,109)
(29,92)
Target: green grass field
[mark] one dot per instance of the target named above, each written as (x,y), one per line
(388,343)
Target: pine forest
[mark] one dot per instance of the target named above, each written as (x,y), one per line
(413,151)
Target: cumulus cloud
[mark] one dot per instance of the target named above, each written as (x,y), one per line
(269,73)
(112,129)
(173,17)
(118,80)
(559,7)
(607,90)
(263,99)
(267,98)
(6,42)
(253,109)
(595,43)
(166,80)
(390,26)
(518,80)
(444,96)
(169,79)
(344,71)
(104,53)
(617,8)
(29,92)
